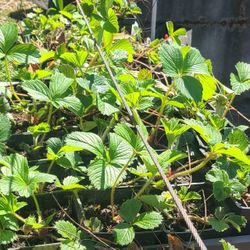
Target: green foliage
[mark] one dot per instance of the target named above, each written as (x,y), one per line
(129,211)
(178,63)
(19,177)
(222,220)
(227,245)
(5,129)
(223,185)
(174,34)
(13,52)
(105,168)
(241,82)
(58,93)
(8,228)
(71,235)
(80,126)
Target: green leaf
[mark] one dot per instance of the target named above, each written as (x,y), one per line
(128,134)
(148,220)
(129,209)
(119,149)
(208,133)
(103,174)
(194,63)
(227,245)
(218,225)
(236,221)
(66,230)
(7,236)
(77,58)
(36,89)
(72,245)
(39,129)
(71,182)
(240,82)
(24,54)
(173,129)
(177,64)
(208,85)
(221,192)
(19,177)
(86,141)
(9,204)
(232,152)
(8,228)
(172,60)
(124,234)
(170,27)
(156,201)
(123,44)
(5,127)
(111,25)
(106,104)
(8,36)
(59,84)
(238,138)
(71,103)
(190,87)
(186,195)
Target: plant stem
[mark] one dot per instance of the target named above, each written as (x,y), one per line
(9,80)
(48,171)
(80,210)
(154,130)
(50,113)
(112,195)
(148,182)
(229,105)
(192,170)
(38,210)
(50,166)
(107,130)
(20,218)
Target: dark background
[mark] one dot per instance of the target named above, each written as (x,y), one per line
(220,30)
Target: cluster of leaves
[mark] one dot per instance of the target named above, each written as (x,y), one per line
(65,88)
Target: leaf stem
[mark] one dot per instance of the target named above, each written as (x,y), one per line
(80,210)
(50,113)
(9,80)
(112,195)
(192,170)
(154,130)
(229,106)
(107,130)
(144,187)
(38,210)
(20,218)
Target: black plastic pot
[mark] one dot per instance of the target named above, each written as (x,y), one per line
(50,201)
(52,246)
(242,210)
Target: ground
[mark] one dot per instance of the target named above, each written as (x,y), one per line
(13,9)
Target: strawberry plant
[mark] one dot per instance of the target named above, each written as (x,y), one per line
(67,136)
